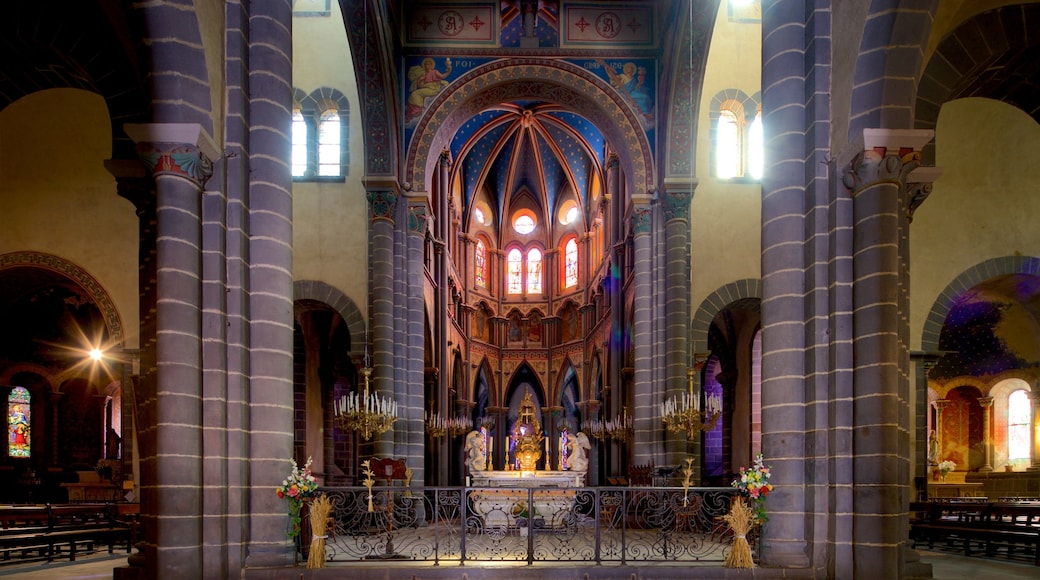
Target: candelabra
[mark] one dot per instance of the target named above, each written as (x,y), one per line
(620,428)
(368,413)
(683,414)
(437,426)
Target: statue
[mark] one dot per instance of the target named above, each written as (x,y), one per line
(475,452)
(578,445)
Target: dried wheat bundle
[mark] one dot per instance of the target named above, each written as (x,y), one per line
(320,509)
(740,519)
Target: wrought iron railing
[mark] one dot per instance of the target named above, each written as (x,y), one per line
(620,525)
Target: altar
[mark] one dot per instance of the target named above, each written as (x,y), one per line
(527,479)
(519,500)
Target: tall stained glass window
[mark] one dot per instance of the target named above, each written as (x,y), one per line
(534,271)
(480,264)
(515,262)
(1018,425)
(570,258)
(18,419)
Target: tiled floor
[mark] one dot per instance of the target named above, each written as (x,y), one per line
(945,566)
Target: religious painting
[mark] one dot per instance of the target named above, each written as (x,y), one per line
(601,25)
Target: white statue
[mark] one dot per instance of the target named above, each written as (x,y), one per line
(476,458)
(578,444)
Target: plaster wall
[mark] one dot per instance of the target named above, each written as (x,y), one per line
(983,206)
(330,231)
(725,217)
(57,197)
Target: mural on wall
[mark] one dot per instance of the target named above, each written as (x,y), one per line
(991,329)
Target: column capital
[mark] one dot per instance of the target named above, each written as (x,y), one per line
(179,149)
(882,156)
(676,197)
(919,187)
(382,205)
(941,404)
(642,214)
(418,216)
(985,402)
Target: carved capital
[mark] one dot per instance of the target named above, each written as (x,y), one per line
(884,156)
(418,217)
(179,149)
(642,218)
(382,205)
(677,205)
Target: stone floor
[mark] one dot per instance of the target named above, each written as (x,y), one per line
(945,566)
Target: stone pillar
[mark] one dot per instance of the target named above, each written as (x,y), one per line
(382,204)
(987,438)
(180,158)
(410,395)
(676,199)
(876,181)
(645,412)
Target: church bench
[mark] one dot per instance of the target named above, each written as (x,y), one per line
(51,531)
(994,525)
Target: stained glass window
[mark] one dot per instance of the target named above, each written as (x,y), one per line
(480,264)
(1018,425)
(570,257)
(18,418)
(534,271)
(514,262)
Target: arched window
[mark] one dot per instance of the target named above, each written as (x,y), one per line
(19,415)
(319,135)
(480,264)
(329,135)
(756,148)
(570,263)
(1019,412)
(534,271)
(737,146)
(727,145)
(299,144)
(514,265)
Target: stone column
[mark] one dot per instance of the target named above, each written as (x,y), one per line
(382,204)
(409,438)
(987,438)
(645,412)
(676,199)
(180,158)
(876,180)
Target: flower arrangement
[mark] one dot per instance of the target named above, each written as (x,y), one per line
(299,485)
(945,467)
(754,483)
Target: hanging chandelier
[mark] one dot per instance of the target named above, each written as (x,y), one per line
(620,428)
(367,413)
(683,414)
(437,426)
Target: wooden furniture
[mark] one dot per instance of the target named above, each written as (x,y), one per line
(976,525)
(954,489)
(50,531)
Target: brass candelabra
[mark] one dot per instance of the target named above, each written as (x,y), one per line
(367,413)
(683,414)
